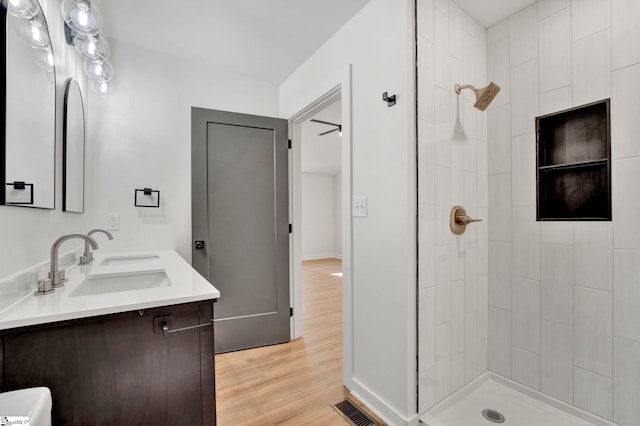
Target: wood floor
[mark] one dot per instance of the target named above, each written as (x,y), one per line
(293,383)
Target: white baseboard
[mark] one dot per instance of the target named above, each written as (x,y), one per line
(379,407)
(321,256)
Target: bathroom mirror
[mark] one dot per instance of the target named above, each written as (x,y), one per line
(27,148)
(73,141)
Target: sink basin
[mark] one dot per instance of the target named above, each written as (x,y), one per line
(102,284)
(130,260)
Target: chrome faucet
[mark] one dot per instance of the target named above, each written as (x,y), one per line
(57,277)
(87,257)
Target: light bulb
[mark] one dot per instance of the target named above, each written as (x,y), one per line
(98,70)
(102,88)
(81,16)
(94,48)
(32,31)
(23,8)
(44,59)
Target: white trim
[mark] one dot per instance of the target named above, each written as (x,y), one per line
(380,407)
(331,88)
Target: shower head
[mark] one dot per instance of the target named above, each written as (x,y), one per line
(484,96)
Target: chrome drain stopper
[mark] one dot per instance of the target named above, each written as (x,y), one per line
(493,416)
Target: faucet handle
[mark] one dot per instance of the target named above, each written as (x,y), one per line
(44,287)
(57,278)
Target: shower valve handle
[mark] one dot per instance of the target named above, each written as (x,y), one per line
(465,220)
(459,220)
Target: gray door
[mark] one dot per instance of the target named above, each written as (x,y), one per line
(240,212)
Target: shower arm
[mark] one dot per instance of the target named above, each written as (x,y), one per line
(466,86)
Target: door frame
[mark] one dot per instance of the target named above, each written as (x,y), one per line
(328,91)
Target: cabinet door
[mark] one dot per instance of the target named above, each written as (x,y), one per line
(119,369)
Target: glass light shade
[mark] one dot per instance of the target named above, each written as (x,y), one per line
(92,48)
(23,8)
(98,70)
(44,58)
(33,31)
(102,88)
(81,16)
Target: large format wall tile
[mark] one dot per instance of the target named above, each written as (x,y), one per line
(589,17)
(500,207)
(557,283)
(556,361)
(626,295)
(500,274)
(592,68)
(427,330)
(625,110)
(626,382)
(547,8)
(556,100)
(525,368)
(523,181)
(499,143)
(523,32)
(593,330)
(626,203)
(524,97)
(593,393)
(500,338)
(525,315)
(555,51)
(526,243)
(625,32)
(499,70)
(593,255)
(426,88)
(441,45)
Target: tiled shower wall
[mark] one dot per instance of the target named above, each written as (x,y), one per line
(452,170)
(564,297)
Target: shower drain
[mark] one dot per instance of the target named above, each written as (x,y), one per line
(493,416)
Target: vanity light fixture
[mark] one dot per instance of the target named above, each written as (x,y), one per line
(83,23)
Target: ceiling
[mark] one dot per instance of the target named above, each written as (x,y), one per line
(263,39)
(490,12)
(321,154)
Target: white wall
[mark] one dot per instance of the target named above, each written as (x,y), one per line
(317,216)
(564,299)
(452,170)
(27,234)
(141,137)
(337,218)
(378,43)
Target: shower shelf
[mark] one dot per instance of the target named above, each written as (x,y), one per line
(574,164)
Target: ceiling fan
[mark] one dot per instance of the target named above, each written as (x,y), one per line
(338,127)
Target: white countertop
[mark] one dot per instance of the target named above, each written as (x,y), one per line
(186,285)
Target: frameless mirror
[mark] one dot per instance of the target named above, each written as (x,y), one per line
(73,149)
(27,148)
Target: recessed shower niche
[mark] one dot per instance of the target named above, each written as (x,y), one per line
(574,164)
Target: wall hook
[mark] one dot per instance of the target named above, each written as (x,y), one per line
(390,100)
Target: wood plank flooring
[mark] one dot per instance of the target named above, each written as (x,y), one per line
(294,383)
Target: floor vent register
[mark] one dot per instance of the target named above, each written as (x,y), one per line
(352,414)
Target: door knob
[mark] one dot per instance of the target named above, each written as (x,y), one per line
(199,245)
(459,220)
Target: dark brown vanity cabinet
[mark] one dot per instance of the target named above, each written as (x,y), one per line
(120,369)
(574,164)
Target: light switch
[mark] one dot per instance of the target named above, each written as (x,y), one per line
(113,222)
(359,206)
